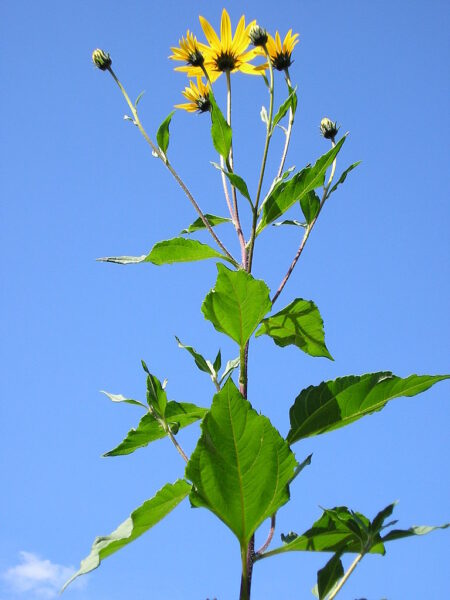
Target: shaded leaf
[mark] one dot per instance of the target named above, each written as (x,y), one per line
(120,398)
(241,466)
(287,104)
(150,429)
(203,364)
(289,222)
(236,304)
(229,368)
(334,404)
(310,204)
(162,135)
(329,575)
(198,224)
(298,324)
(220,130)
(236,181)
(140,521)
(180,250)
(217,362)
(343,177)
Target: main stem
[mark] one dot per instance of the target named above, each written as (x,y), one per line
(350,570)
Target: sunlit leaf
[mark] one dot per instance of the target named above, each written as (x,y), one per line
(203,364)
(287,104)
(220,130)
(120,398)
(162,135)
(343,177)
(198,224)
(229,368)
(180,250)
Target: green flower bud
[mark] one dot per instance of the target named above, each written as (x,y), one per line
(101,59)
(328,128)
(258,35)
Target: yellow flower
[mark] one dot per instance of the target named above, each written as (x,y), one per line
(280,53)
(191,52)
(229,53)
(198,96)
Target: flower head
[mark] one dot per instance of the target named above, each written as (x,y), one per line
(101,59)
(198,96)
(229,53)
(258,35)
(191,52)
(281,53)
(328,128)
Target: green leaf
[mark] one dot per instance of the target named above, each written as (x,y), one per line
(286,193)
(236,304)
(398,534)
(329,575)
(299,324)
(198,224)
(241,466)
(150,429)
(289,222)
(120,398)
(220,130)
(343,177)
(140,521)
(138,99)
(229,368)
(203,364)
(287,104)
(236,181)
(123,260)
(156,395)
(162,135)
(217,362)
(310,204)
(180,250)
(334,404)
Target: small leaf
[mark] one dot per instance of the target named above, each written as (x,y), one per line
(299,324)
(217,362)
(398,534)
(236,304)
(235,181)
(163,135)
(180,250)
(334,404)
(329,575)
(123,260)
(287,104)
(150,429)
(264,116)
(200,361)
(140,521)
(310,204)
(299,468)
(229,368)
(285,194)
(198,224)
(156,395)
(120,398)
(241,466)
(289,222)
(343,177)
(378,522)
(138,99)
(220,130)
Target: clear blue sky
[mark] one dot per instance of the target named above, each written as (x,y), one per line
(78,182)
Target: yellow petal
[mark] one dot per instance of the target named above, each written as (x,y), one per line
(209,32)
(225,30)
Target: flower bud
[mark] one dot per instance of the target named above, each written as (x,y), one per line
(258,35)
(328,128)
(101,59)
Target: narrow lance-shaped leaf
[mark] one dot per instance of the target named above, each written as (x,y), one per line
(220,130)
(299,324)
(203,364)
(334,404)
(198,224)
(162,135)
(236,181)
(236,304)
(241,466)
(343,177)
(120,398)
(140,521)
(287,104)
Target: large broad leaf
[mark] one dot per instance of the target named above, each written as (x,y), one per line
(220,130)
(334,404)
(299,324)
(162,135)
(177,415)
(180,250)
(287,193)
(236,304)
(241,466)
(140,521)
(198,224)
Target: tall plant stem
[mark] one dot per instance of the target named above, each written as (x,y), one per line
(289,128)
(347,574)
(263,167)
(233,189)
(244,593)
(308,230)
(175,175)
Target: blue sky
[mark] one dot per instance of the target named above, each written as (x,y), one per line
(78,183)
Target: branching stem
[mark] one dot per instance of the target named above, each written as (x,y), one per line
(269,536)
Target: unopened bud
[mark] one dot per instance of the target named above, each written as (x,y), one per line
(258,35)
(328,128)
(101,59)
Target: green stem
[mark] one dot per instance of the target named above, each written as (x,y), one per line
(244,595)
(263,166)
(289,129)
(350,570)
(177,178)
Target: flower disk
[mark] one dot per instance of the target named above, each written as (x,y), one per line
(280,53)
(191,52)
(198,96)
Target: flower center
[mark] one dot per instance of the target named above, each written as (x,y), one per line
(225,61)
(195,58)
(203,104)
(282,60)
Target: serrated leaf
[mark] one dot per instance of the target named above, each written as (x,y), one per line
(329,575)
(310,205)
(150,430)
(236,304)
(120,398)
(220,130)
(285,194)
(180,250)
(287,104)
(241,466)
(334,404)
(163,135)
(298,324)
(198,224)
(229,368)
(343,177)
(140,521)
(199,360)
